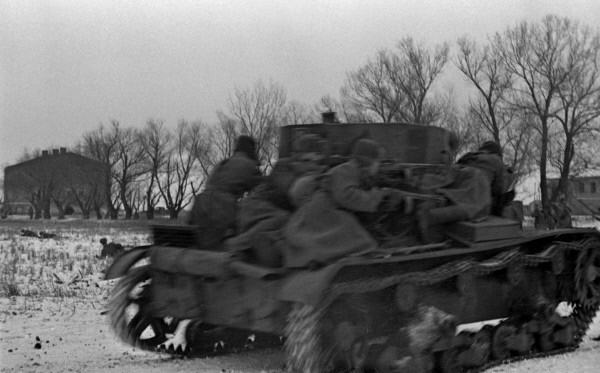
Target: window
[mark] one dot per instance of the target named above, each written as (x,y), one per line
(593,187)
(581,187)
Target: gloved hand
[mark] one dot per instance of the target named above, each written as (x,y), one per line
(392,200)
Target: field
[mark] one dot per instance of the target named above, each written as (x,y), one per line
(53,298)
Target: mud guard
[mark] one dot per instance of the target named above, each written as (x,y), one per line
(121,264)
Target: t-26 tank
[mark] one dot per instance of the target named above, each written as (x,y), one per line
(483,292)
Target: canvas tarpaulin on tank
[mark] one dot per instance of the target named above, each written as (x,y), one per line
(467,187)
(320,232)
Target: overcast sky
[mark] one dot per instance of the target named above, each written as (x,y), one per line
(67,66)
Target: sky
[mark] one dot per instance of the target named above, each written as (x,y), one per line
(68,66)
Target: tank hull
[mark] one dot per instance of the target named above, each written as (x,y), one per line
(517,279)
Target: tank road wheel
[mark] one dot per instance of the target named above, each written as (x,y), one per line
(475,352)
(481,348)
(500,341)
(545,342)
(448,361)
(128,312)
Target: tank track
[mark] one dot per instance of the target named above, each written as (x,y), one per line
(203,340)
(304,321)
(127,325)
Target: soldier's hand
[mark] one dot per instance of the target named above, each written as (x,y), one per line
(392,200)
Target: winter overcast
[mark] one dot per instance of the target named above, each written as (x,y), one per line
(67,66)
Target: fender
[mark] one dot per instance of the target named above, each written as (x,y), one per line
(122,264)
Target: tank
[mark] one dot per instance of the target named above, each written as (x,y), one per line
(487,292)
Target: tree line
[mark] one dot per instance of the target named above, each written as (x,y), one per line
(534,89)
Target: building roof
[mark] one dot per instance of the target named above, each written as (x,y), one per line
(50,156)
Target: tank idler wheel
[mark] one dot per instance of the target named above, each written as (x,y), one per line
(129,315)
(588,277)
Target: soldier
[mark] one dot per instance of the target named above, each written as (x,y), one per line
(473,188)
(561,213)
(326,228)
(112,250)
(214,210)
(262,216)
(309,158)
(540,220)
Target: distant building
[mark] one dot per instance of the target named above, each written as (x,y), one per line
(59,179)
(583,194)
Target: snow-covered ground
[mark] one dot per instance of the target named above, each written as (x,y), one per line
(52,299)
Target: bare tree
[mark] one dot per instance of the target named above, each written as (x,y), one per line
(452,118)
(491,113)
(484,69)
(102,145)
(176,183)
(532,53)
(259,112)
(578,96)
(223,139)
(154,140)
(130,166)
(297,113)
(372,92)
(29,154)
(136,197)
(36,185)
(87,190)
(414,69)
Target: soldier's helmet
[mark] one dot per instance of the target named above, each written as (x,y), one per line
(367,151)
(491,147)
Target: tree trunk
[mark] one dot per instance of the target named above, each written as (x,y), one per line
(60,208)
(150,213)
(98,212)
(61,212)
(86,215)
(563,181)
(173,214)
(47,214)
(110,209)
(543,167)
(126,207)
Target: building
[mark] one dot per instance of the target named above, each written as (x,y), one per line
(54,181)
(583,194)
